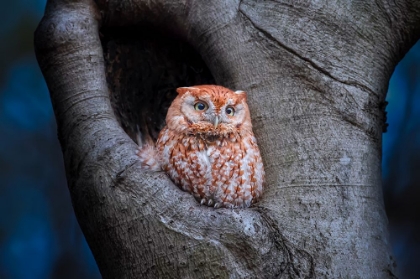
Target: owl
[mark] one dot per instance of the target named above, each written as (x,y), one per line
(208,148)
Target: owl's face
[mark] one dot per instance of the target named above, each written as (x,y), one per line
(209,109)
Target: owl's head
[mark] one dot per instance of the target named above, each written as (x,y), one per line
(209,109)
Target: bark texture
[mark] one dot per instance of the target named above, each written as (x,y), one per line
(316,73)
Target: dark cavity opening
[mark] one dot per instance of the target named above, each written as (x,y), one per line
(143,69)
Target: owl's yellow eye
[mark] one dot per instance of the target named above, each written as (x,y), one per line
(230,111)
(200,106)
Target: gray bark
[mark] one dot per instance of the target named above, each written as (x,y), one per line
(316,74)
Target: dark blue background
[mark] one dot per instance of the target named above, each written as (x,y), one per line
(39,235)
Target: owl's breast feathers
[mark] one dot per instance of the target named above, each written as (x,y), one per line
(218,169)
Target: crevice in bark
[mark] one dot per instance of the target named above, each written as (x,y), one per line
(272,40)
(296,262)
(143,69)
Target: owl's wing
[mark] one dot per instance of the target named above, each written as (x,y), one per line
(149,158)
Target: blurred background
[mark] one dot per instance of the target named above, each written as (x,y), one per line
(39,234)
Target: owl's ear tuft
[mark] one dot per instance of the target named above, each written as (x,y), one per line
(183,90)
(241,93)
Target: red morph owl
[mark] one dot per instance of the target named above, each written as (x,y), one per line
(208,148)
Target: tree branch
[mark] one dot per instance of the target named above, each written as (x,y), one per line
(316,75)
(117,202)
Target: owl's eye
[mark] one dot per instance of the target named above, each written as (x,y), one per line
(230,111)
(200,106)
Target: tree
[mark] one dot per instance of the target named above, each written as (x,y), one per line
(316,74)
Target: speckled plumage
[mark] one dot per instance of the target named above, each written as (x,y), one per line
(209,153)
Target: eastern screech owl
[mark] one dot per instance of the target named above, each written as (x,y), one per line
(208,148)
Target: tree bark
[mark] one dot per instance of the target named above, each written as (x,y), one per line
(316,74)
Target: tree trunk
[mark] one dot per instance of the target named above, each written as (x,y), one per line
(316,74)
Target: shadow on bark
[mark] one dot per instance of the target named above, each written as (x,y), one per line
(143,69)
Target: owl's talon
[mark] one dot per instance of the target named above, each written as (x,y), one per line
(217,205)
(210,202)
(203,201)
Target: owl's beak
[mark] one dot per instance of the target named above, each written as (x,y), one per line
(216,121)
